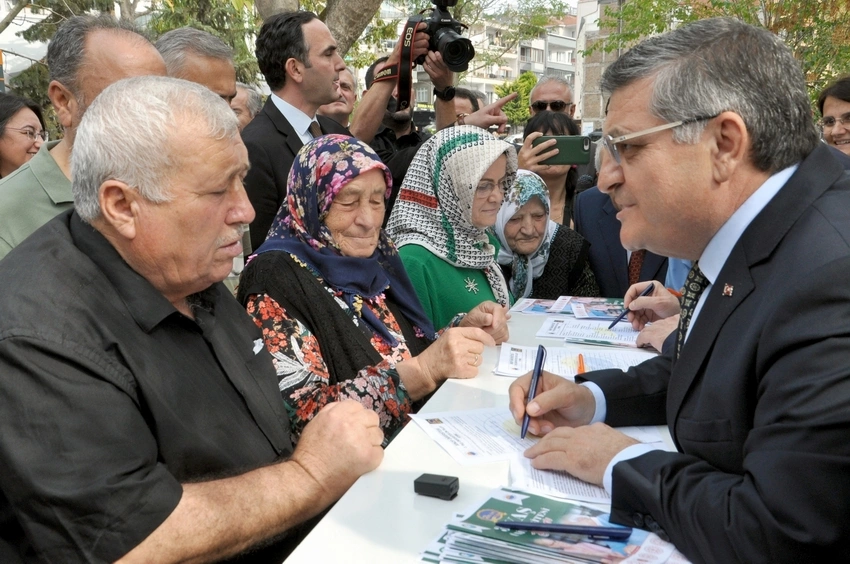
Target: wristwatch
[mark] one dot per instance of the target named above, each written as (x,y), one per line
(447,94)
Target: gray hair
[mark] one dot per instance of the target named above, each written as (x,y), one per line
(174,45)
(130,130)
(66,50)
(549,79)
(722,64)
(255,98)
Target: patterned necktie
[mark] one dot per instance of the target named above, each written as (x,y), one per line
(315,130)
(635,264)
(694,286)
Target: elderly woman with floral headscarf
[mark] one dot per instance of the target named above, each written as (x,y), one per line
(338,312)
(543,259)
(442,218)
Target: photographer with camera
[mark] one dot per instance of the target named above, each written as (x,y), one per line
(379,105)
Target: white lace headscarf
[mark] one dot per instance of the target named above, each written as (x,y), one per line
(434,205)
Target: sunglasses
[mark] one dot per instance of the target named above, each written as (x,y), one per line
(557,105)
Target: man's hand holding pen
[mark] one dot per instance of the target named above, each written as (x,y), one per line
(558,402)
(560,413)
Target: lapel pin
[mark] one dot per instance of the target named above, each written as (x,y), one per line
(727,290)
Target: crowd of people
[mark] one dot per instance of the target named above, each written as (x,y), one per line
(150,415)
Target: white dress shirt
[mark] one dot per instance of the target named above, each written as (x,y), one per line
(299,121)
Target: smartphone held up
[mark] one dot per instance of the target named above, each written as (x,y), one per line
(572,149)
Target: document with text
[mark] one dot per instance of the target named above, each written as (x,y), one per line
(516,360)
(588,332)
(561,484)
(489,435)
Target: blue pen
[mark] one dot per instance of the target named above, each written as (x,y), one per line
(646,291)
(605,533)
(532,389)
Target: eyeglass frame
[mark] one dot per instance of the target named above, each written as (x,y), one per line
(843,119)
(32,134)
(611,143)
(567,105)
(485,191)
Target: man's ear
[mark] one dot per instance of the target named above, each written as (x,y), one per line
(119,207)
(63,101)
(294,70)
(731,145)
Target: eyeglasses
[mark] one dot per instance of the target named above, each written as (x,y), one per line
(31,133)
(484,189)
(611,143)
(829,122)
(556,105)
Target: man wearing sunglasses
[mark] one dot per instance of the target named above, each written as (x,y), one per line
(552,93)
(712,155)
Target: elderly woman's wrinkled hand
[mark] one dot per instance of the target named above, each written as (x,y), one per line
(456,354)
(492,318)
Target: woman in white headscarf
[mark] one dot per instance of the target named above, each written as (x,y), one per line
(442,220)
(542,259)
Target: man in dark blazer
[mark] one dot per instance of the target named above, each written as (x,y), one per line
(298,57)
(714,157)
(596,220)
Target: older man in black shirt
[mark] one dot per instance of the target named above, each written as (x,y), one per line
(140,412)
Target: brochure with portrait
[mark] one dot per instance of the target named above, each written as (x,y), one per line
(475,537)
(597,308)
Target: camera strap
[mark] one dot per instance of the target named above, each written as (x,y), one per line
(404,70)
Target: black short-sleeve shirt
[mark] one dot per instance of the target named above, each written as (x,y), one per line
(110,398)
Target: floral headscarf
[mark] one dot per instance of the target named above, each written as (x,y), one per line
(321,169)
(434,206)
(525,268)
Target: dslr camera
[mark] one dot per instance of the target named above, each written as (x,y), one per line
(445,33)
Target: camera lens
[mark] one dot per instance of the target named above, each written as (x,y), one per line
(457,50)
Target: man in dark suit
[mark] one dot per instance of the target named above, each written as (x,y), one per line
(299,59)
(596,220)
(713,156)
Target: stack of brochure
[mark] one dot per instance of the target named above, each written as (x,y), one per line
(601,309)
(475,537)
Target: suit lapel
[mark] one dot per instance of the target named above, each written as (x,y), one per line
(758,242)
(293,141)
(713,315)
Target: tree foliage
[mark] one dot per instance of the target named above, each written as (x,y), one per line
(232,24)
(818,33)
(517,109)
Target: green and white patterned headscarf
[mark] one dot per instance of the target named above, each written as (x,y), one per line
(434,205)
